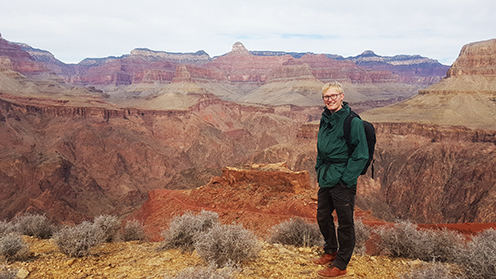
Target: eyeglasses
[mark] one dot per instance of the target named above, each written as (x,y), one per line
(332,96)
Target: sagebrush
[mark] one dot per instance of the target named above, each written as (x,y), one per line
(432,270)
(208,272)
(8,273)
(109,225)
(134,230)
(297,232)
(405,240)
(6,228)
(223,244)
(362,235)
(478,258)
(13,247)
(76,241)
(34,225)
(182,229)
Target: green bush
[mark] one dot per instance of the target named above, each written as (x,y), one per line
(296,232)
(223,244)
(478,259)
(13,247)
(109,225)
(134,230)
(210,272)
(182,230)
(34,225)
(76,241)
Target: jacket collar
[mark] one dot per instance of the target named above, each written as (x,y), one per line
(345,109)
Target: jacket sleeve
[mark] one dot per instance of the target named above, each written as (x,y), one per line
(360,155)
(319,157)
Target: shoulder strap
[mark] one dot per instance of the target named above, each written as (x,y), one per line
(347,125)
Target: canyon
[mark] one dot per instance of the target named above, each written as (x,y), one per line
(115,135)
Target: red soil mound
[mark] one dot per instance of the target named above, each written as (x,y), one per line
(258,198)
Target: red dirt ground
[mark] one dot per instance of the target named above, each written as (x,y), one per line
(163,205)
(256,206)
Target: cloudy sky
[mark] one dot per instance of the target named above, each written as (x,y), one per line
(74,29)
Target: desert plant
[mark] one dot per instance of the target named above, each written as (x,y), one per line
(6,228)
(13,247)
(405,240)
(76,241)
(296,232)
(226,243)
(362,235)
(182,229)
(8,273)
(443,245)
(134,230)
(34,225)
(432,270)
(109,225)
(208,272)
(478,259)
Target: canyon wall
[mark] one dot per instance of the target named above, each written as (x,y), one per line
(75,153)
(240,72)
(75,163)
(436,152)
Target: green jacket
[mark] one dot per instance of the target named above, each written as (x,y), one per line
(334,164)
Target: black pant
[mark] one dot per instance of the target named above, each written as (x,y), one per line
(341,199)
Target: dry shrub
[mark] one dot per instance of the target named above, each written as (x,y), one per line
(13,247)
(77,241)
(6,228)
(34,225)
(224,244)
(209,272)
(362,234)
(109,225)
(134,230)
(405,240)
(8,273)
(182,230)
(478,259)
(432,270)
(296,232)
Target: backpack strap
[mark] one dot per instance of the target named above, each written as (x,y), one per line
(347,129)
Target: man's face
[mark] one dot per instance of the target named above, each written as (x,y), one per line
(333,100)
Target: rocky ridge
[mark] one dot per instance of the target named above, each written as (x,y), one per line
(240,71)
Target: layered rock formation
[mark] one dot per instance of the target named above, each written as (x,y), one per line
(78,152)
(408,68)
(441,155)
(435,154)
(476,59)
(12,57)
(465,98)
(242,74)
(74,156)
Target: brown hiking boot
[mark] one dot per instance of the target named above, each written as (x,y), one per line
(325,259)
(331,272)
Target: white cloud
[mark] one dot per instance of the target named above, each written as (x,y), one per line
(74,30)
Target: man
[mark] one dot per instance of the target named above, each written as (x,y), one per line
(338,169)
